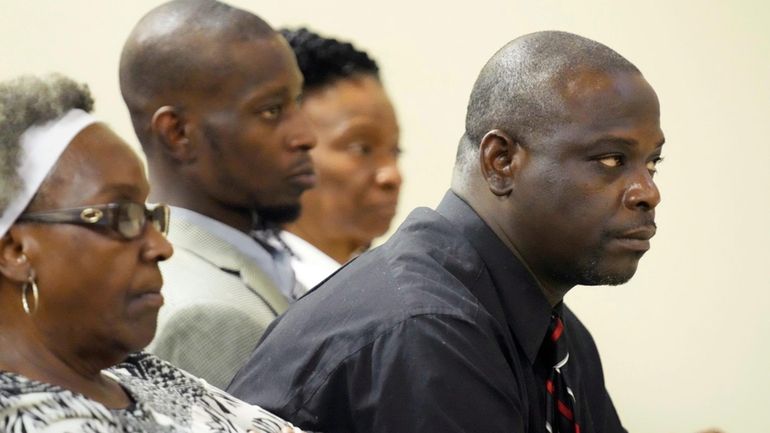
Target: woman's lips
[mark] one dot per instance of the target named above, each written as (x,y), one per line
(149,298)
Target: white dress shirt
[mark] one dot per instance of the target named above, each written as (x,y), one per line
(311,265)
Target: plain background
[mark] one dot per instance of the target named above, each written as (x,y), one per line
(685,344)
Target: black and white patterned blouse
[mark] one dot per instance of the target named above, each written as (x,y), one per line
(165,399)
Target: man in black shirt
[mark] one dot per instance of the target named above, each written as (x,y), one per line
(457,324)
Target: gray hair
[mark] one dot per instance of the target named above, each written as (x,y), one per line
(518,90)
(27,101)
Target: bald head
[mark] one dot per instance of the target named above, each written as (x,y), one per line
(179,49)
(521,89)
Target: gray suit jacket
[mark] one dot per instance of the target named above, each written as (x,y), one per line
(217,305)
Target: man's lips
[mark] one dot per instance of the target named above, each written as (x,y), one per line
(643,233)
(637,239)
(304,176)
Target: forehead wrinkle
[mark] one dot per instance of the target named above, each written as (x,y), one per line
(613,139)
(264,82)
(272,89)
(123,190)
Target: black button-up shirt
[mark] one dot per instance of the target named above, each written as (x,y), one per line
(437,330)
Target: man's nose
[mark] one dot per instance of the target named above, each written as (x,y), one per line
(641,192)
(300,132)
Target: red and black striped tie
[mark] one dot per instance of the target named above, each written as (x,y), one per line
(561,405)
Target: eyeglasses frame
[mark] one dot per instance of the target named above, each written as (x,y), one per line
(101,215)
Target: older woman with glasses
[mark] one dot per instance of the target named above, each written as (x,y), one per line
(79,280)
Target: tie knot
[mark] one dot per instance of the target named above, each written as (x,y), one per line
(269,240)
(555,345)
(556,329)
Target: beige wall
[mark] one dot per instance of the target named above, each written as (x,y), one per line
(685,344)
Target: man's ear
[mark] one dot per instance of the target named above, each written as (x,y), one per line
(169,126)
(14,263)
(499,155)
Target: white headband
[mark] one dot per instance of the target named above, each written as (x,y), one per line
(41,147)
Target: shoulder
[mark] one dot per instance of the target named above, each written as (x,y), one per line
(421,354)
(145,365)
(415,286)
(29,406)
(221,321)
(185,398)
(193,278)
(205,299)
(409,279)
(206,269)
(211,341)
(426,264)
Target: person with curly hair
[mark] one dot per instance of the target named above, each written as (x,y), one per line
(80,283)
(356,156)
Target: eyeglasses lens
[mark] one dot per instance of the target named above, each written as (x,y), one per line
(131,219)
(160,216)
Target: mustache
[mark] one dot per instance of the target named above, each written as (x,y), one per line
(644,227)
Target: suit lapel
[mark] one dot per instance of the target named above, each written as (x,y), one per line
(223,255)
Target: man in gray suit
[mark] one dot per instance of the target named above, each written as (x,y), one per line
(213,95)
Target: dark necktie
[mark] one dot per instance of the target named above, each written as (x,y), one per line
(283,274)
(561,405)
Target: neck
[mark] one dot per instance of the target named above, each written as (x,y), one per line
(489,212)
(177,192)
(67,367)
(339,249)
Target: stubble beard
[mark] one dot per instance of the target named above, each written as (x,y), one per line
(590,271)
(278,215)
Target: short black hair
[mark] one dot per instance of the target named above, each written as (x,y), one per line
(325,60)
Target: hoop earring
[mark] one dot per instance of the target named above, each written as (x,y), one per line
(35,295)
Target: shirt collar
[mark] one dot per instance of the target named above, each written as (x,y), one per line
(240,240)
(524,308)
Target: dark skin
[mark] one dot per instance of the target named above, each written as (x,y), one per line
(577,204)
(357,163)
(585,190)
(242,148)
(94,285)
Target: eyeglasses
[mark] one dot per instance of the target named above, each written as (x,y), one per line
(128,219)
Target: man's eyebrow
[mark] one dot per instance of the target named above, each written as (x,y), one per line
(268,91)
(629,142)
(612,139)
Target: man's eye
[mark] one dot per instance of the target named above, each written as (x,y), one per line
(612,160)
(271,113)
(652,166)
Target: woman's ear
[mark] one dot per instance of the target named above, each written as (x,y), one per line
(169,126)
(14,263)
(499,155)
